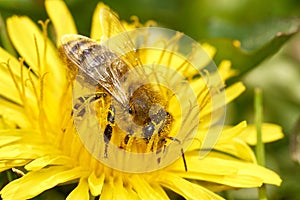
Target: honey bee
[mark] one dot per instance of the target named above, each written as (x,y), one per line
(137,106)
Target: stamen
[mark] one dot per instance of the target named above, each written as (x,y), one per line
(205,92)
(163,51)
(174,45)
(191,57)
(38,56)
(14,78)
(135,21)
(150,23)
(22,75)
(21,90)
(33,85)
(45,37)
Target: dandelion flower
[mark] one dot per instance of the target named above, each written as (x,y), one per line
(39,133)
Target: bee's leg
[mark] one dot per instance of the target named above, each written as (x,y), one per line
(150,136)
(161,143)
(182,152)
(128,140)
(107,137)
(108,129)
(183,158)
(79,109)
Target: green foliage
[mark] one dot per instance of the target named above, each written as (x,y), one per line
(257,42)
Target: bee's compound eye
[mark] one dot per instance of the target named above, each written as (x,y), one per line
(130,110)
(148,130)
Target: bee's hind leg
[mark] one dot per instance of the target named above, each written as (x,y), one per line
(107,136)
(109,129)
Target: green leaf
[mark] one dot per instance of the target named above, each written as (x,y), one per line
(253,44)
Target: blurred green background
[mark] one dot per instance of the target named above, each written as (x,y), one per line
(269,57)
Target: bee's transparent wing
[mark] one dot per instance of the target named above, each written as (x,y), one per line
(95,61)
(119,40)
(85,53)
(71,46)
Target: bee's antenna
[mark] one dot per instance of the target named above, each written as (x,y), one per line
(183,158)
(182,152)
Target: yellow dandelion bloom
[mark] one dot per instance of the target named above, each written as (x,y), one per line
(38,133)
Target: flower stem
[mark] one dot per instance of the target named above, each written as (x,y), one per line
(260,148)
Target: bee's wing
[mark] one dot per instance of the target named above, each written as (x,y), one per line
(110,23)
(71,45)
(95,61)
(120,41)
(74,47)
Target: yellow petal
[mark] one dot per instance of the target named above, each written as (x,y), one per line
(44,61)
(185,188)
(96,30)
(29,136)
(14,113)
(24,151)
(222,140)
(233,173)
(81,192)
(13,75)
(131,193)
(231,93)
(210,50)
(108,190)
(226,135)
(113,188)
(195,164)
(9,136)
(226,142)
(8,87)
(26,46)
(29,144)
(4,139)
(13,63)
(225,70)
(142,188)
(270,133)
(231,132)
(61,18)
(34,183)
(157,188)
(8,164)
(120,192)
(96,183)
(47,160)
(237,149)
